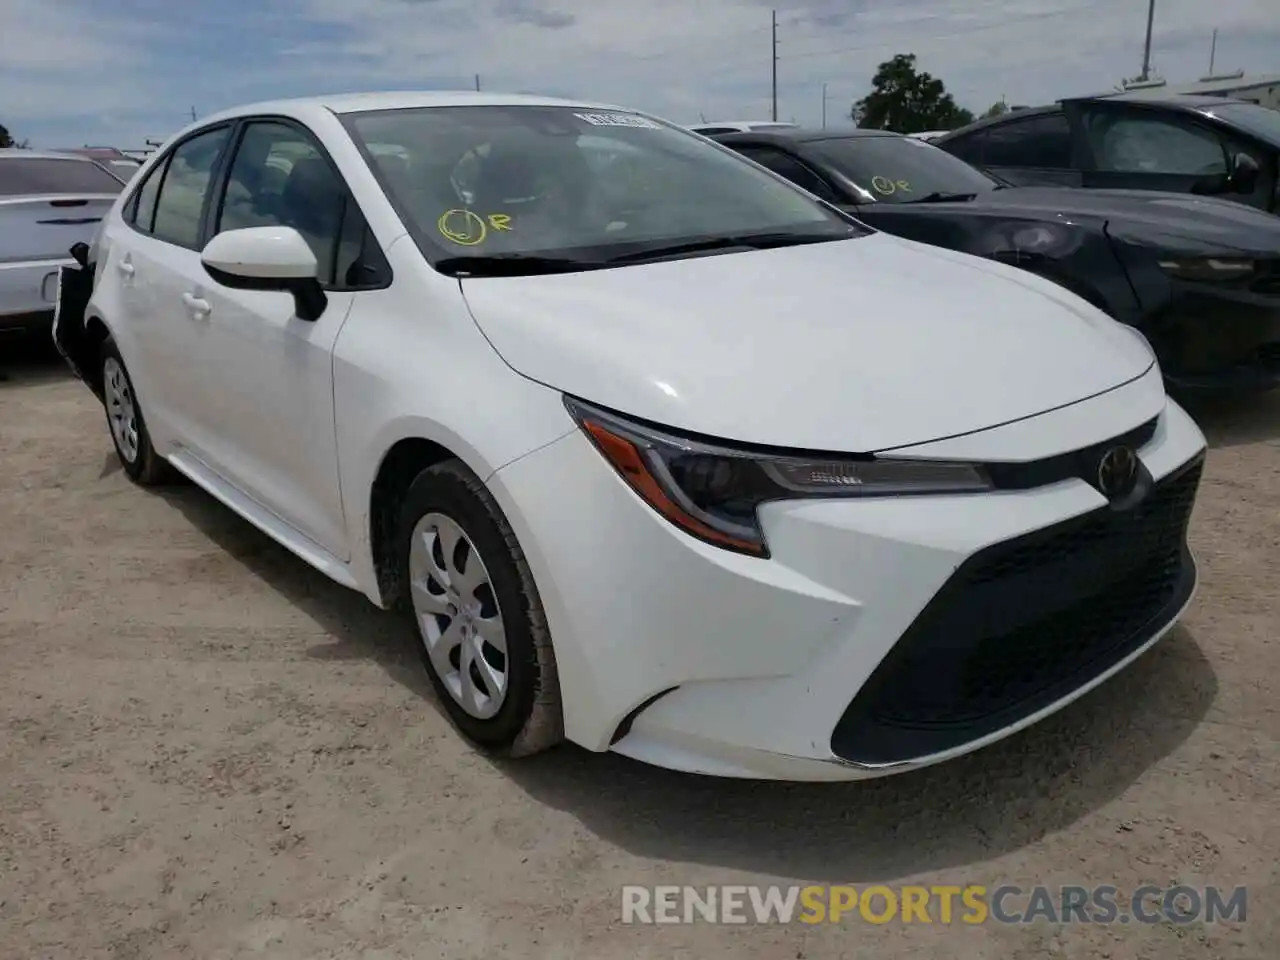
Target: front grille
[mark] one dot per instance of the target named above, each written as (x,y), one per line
(1023,623)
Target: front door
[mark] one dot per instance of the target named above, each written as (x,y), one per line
(1132,147)
(275,370)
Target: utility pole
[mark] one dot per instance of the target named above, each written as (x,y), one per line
(1213,50)
(824,106)
(774,63)
(193,114)
(1146,50)
(477,83)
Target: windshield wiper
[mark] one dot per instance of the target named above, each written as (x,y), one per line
(939,197)
(750,241)
(513,265)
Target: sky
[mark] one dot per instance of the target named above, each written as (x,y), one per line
(75,72)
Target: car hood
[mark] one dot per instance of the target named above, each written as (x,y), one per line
(856,345)
(1208,221)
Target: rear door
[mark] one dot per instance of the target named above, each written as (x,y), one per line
(160,265)
(1134,147)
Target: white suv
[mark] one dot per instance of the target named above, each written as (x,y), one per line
(659,454)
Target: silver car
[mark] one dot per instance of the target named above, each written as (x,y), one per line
(48,203)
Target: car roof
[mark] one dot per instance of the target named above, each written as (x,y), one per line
(403,100)
(1185,101)
(804,135)
(1175,101)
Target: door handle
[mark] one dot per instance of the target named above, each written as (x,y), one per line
(198,306)
(125,267)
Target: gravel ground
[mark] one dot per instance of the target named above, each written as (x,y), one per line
(208,750)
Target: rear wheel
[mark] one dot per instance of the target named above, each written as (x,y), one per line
(478,616)
(124,419)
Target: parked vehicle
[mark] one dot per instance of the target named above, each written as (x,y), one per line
(1137,141)
(739,126)
(928,134)
(118,162)
(683,464)
(1199,276)
(48,202)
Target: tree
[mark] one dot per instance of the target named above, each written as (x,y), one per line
(5,139)
(907,101)
(997,109)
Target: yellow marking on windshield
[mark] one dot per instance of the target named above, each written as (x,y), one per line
(886,187)
(462,227)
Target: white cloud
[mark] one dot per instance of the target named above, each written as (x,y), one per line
(121,76)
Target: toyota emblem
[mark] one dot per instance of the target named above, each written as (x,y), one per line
(1117,471)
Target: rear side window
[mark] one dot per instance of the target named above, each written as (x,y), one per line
(968,148)
(1037,142)
(142,208)
(24,175)
(185,186)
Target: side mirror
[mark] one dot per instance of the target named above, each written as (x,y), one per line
(267,258)
(1244,172)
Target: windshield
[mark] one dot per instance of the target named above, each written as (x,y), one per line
(1260,121)
(36,175)
(901,169)
(571,183)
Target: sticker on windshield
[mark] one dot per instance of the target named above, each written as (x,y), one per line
(886,187)
(618,120)
(467,228)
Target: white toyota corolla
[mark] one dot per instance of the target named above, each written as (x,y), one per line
(659,453)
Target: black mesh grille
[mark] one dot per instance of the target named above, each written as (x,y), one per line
(1023,623)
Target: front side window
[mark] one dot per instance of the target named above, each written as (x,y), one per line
(186,182)
(901,169)
(572,183)
(54,175)
(1039,143)
(1132,142)
(279,177)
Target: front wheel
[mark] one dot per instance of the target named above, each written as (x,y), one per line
(478,616)
(124,419)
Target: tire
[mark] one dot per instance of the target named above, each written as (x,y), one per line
(512,708)
(128,430)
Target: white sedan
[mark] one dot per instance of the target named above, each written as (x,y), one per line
(664,457)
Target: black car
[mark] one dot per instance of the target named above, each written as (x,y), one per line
(1203,145)
(1200,277)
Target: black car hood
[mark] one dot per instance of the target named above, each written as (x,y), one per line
(1201,221)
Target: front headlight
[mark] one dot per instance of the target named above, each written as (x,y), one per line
(1207,269)
(712,492)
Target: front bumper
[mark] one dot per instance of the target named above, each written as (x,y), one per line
(881,635)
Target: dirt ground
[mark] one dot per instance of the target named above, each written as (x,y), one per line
(208,750)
